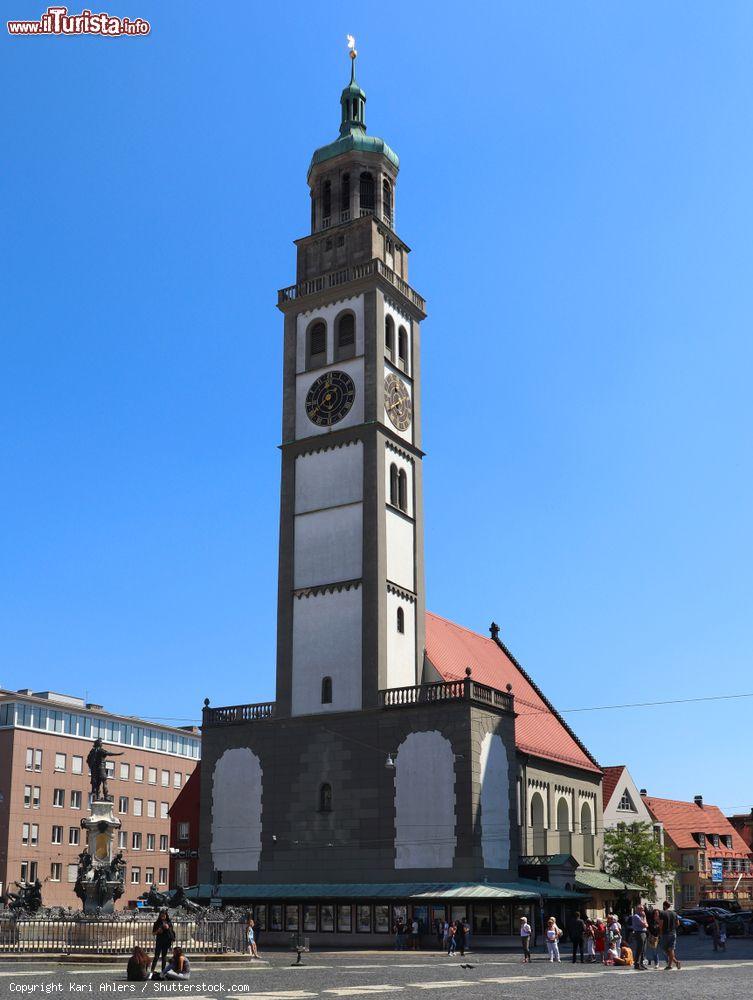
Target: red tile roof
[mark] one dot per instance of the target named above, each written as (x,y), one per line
(539,730)
(611,776)
(682,819)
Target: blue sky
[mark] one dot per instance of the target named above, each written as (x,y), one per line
(575,186)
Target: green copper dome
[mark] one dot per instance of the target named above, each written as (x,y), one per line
(353,135)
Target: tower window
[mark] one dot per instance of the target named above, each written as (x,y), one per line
(313,212)
(387,201)
(389,337)
(345,193)
(402,348)
(346,336)
(394,486)
(325,798)
(317,345)
(402,490)
(326,690)
(326,201)
(401,621)
(367,193)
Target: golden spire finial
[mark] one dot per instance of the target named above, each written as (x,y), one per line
(352,52)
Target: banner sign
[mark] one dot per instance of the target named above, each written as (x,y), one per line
(717,870)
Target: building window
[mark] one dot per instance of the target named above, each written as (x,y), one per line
(56,871)
(74,836)
(326,690)
(77,765)
(151,809)
(394,488)
(183,831)
(60,761)
(33,759)
(135,876)
(163,842)
(367,193)
(27,796)
(110,768)
(163,876)
(326,202)
(402,348)
(149,876)
(125,771)
(345,338)
(152,775)
(25,834)
(138,773)
(150,841)
(138,807)
(316,346)
(400,621)
(387,201)
(164,808)
(176,779)
(165,779)
(72,873)
(58,797)
(345,194)
(123,804)
(389,337)
(57,835)
(715,839)
(688,893)
(75,800)
(402,490)
(122,840)
(181,873)
(36,797)
(325,798)
(626,802)
(136,841)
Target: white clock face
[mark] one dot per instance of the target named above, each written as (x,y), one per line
(397,402)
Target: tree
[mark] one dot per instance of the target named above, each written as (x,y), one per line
(633,854)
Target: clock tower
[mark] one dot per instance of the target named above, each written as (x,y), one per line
(351,574)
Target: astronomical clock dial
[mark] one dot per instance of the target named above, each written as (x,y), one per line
(330,398)
(397,402)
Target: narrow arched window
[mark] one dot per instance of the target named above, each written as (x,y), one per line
(367,192)
(325,798)
(345,193)
(394,486)
(345,336)
(313,212)
(389,337)
(400,621)
(387,201)
(402,347)
(402,490)
(326,200)
(316,349)
(326,690)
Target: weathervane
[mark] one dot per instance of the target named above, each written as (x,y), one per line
(352,53)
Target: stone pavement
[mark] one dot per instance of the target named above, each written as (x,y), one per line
(407,976)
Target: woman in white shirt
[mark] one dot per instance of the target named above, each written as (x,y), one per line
(553,935)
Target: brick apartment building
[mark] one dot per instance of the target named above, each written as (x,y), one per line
(184,833)
(44,790)
(743,823)
(712,859)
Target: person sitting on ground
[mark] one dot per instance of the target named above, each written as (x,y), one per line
(137,970)
(625,957)
(611,955)
(178,967)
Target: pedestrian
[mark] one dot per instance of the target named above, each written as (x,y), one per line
(414,939)
(639,925)
(445,935)
(614,931)
(525,939)
(164,938)
(451,945)
(461,937)
(553,935)
(577,935)
(178,967)
(669,935)
(590,950)
(137,969)
(718,931)
(251,938)
(399,935)
(600,940)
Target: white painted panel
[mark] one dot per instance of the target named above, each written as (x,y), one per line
(328,546)
(495,802)
(327,643)
(407,435)
(236,811)
(329,478)
(304,427)
(425,802)
(329,314)
(392,458)
(400,552)
(401,648)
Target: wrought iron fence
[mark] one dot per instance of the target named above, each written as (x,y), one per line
(116,937)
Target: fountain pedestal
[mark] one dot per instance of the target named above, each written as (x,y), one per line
(101,872)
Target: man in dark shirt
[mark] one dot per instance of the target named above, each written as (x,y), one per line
(669,935)
(577,934)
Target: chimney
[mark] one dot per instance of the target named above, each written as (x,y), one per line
(699,801)
(643,792)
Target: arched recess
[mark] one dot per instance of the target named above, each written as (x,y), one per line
(563,825)
(389,337)
(236,811)
(537,823)
(425,802)
(345,336)
(394,485)
(586,829)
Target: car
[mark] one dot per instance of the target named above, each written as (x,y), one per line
(687,926)
(700,915)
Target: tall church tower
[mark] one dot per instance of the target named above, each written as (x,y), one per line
(350,616)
